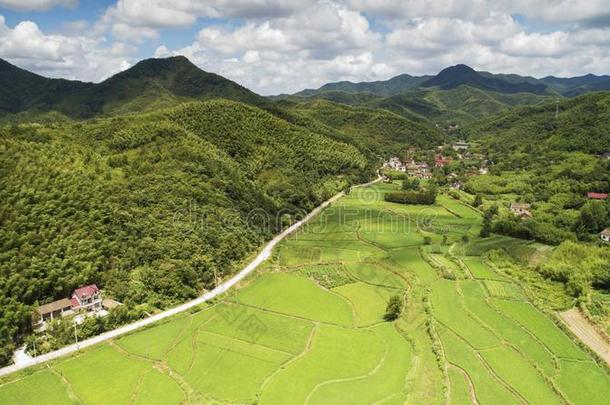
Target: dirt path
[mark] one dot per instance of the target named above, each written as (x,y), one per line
(582,328)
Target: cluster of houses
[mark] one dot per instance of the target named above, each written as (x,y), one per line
(86,300)
(415,169)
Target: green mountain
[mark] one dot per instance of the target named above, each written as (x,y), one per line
(150,84)
(460,75)
(580,125)
(461,105)
(395,85)
(574,86)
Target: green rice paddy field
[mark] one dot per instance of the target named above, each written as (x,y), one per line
(309,328)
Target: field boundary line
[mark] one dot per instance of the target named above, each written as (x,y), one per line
(262,256)
(66,383)
(304,352)
(471,390)
(355,378)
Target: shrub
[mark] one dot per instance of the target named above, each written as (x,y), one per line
(425,197)
(394,308)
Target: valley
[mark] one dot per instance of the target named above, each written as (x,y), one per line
(314,312)
(244,263)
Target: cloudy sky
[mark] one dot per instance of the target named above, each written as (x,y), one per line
(274,46)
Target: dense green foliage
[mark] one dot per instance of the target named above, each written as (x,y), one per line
(579,266)
(580,126)
(375,132)
(151,207)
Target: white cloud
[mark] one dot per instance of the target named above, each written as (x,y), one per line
(74,57)
(36,5)
(284,45)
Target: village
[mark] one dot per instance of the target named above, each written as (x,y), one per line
(448,164)
(451,166)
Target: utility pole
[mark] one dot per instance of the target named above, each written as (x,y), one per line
(75,334)
(556,108)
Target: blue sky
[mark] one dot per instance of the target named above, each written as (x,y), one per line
(274,46)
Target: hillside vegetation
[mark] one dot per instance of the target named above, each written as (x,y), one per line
(151,206)
(375,132)
(581,125)
(461,105)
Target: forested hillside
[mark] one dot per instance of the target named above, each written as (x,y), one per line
(377,133)
(461,105)
(581,125)
(151,206)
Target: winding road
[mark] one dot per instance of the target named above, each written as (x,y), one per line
(219,290)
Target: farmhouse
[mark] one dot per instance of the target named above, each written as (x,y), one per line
(605,235)
(597,196)
(420,170)
(396,164)
(88,298)
(461,145)
(521,209)
(441,161)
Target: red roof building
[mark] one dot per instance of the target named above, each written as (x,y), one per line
(88,297)
(597,196)
(440,161)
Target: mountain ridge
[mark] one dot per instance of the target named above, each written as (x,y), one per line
(149,84)
(502,82)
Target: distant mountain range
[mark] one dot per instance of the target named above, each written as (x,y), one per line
(462,75)
(149,84)
(456,95)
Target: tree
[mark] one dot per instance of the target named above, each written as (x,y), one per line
(487,218)
(393,309)
(478,200)
(593,218)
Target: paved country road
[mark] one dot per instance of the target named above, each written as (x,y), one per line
(582,328)
(219,290)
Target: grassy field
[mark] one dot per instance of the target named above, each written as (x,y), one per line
(309,327)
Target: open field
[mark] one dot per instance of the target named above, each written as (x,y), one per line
(309,328)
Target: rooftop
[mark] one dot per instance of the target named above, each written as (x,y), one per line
(86,291)
(54,306)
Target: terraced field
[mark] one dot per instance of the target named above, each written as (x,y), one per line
(309,328)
